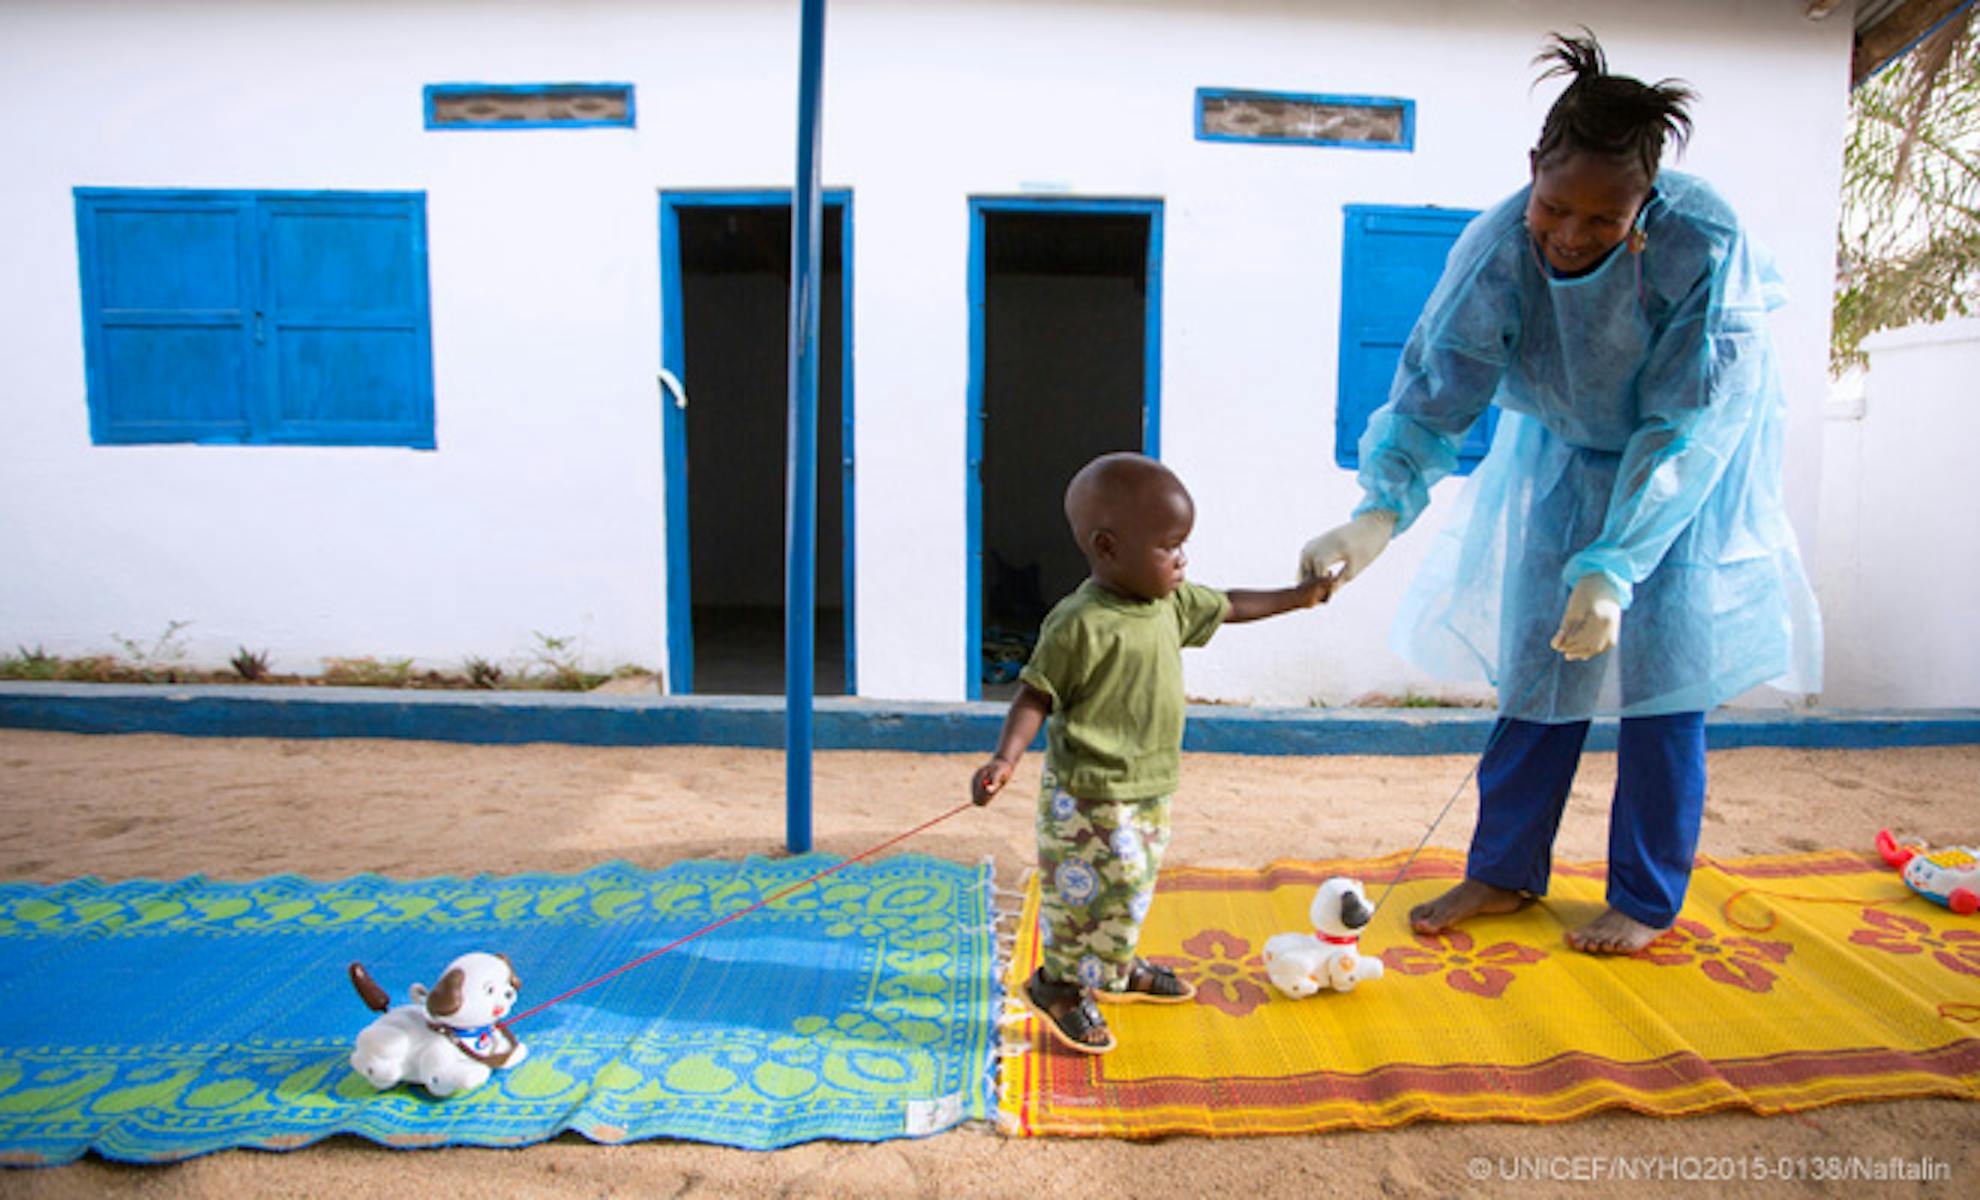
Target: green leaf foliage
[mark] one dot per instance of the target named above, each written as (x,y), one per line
(1908,251)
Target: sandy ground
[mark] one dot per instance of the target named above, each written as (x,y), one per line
(162,807)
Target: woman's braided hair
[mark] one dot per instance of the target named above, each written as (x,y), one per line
(1611,116)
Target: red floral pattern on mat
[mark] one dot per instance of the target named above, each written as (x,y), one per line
(1955,949)
(1228,976)
(1742,962)
(1486,973)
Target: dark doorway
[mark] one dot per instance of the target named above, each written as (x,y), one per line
(1065,359)
(733,262)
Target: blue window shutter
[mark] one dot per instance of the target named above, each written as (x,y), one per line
(256,317)
(1391,260)
(348,358)
(167,316)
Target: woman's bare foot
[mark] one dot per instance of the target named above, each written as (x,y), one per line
(1612,933)
(1466,900)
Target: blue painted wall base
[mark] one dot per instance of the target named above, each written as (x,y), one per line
(850,723)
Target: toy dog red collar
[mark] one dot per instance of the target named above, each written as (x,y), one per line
(466,1041)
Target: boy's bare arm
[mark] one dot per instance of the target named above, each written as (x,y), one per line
(1029,708)
(1253,605)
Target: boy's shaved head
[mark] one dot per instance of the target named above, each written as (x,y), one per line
(1131,516)
(1108,491)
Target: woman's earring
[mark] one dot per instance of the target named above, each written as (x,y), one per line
(1637,240)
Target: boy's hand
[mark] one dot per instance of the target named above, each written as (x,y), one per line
(1246,605)
(1315,590)
(989,779)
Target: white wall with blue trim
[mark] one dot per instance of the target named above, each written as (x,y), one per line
(540,508)
(1897,564)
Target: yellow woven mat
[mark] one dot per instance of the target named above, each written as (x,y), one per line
(1788,983)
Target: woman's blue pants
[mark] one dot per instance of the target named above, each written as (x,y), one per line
(1523,784)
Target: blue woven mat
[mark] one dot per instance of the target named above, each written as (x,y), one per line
(155,1021)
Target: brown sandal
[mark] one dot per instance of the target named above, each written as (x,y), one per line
(1150,983)
(1077,1019)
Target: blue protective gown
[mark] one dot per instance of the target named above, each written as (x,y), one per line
(1640,437)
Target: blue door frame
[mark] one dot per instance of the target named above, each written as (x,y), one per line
(980,208)
(673,425)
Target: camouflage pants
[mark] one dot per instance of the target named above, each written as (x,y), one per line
(1097,861)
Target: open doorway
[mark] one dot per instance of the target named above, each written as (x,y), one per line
(1065,365)
(726,264)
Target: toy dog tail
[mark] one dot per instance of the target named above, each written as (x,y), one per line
(1893,853)
(373,996)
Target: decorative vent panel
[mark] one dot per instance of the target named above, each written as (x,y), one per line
(528,106)
(1359,122)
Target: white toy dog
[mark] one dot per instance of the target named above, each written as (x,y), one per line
(447,1040)
(1300,964)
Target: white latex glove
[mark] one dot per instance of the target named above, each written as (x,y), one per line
(1350,547)
(1592,620)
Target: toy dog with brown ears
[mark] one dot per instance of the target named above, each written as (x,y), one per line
(447,1040)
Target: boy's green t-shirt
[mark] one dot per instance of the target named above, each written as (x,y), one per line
(1113,668)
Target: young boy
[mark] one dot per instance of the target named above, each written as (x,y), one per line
(1108,673)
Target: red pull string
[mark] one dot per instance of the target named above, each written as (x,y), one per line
(739,913)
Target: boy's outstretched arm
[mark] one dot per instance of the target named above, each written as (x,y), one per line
(1252,605)
(1029,708)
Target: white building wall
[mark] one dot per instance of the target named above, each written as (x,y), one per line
(541,511)
(1898,562)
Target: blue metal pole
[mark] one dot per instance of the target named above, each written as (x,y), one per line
(801,487)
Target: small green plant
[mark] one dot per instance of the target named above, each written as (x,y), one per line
(91,668)
(555,664)
(1410,698)
(158,662)
(30,664)
(367,672)
(561,656)
(250,665)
